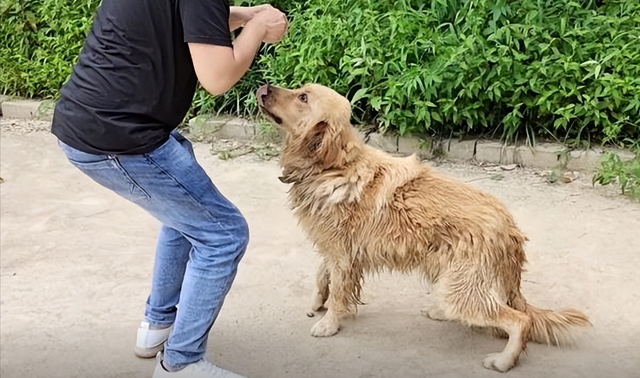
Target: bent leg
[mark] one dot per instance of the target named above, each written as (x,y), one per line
(344,295)
(173,187)
(321,292)
(172,255)
(184,198)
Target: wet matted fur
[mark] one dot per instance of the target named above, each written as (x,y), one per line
(368,211)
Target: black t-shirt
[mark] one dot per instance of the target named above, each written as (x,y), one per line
(135,80)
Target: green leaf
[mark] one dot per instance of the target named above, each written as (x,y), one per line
(362,92)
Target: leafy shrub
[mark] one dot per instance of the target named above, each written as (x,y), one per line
(40,40)
(563,68)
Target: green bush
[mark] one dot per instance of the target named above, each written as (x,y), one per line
(39,42)
(562,69)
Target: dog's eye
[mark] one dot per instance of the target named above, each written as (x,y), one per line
(303,97)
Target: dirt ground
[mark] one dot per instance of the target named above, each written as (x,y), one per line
(76,263)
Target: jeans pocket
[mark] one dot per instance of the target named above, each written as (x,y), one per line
(107,171)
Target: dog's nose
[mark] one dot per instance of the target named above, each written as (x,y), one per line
(263,92)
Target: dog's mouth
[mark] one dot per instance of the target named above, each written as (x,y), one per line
(262,93)
(274,117)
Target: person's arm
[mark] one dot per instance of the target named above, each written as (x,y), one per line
(220,67)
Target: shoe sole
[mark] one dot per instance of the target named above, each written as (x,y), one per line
(148,352)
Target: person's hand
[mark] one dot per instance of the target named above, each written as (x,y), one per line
(274,21)
(252,11)
(239,16)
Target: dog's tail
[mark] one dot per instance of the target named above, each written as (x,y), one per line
(555,327)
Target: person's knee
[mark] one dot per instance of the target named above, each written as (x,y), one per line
(242,233)
(238,233)
(224,237)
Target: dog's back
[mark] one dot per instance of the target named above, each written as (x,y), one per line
(387,213)
(403,215)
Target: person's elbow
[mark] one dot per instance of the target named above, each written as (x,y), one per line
(216,87)
(215,67)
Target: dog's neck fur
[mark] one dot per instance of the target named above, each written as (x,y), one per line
(325,179)
(302,159)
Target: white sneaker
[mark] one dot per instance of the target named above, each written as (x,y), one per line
(150,341)
(201,369)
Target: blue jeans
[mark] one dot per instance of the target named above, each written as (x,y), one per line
(201,242)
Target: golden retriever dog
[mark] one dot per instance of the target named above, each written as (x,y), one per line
(367,211)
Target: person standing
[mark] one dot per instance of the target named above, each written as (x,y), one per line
(116,121)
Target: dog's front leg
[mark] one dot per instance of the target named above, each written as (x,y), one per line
(321,293)
(344,293)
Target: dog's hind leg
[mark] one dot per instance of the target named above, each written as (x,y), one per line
(489,312)
(434,313)
(321,292)
(475,301)
(345,285)
(517,325)
(434,310)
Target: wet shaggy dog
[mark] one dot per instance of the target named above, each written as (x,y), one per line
(367,211)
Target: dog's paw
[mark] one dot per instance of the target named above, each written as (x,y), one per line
(497,361)
(319,300)
(433,313)
(318,304)
(324,329)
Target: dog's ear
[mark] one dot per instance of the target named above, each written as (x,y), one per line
(321,142)
(288,177)
(312,140)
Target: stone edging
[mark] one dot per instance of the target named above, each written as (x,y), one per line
(27,109)
(543,156)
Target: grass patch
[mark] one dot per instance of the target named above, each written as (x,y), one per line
(626,174)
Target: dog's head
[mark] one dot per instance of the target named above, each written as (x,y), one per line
(300,109)
(316,120)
